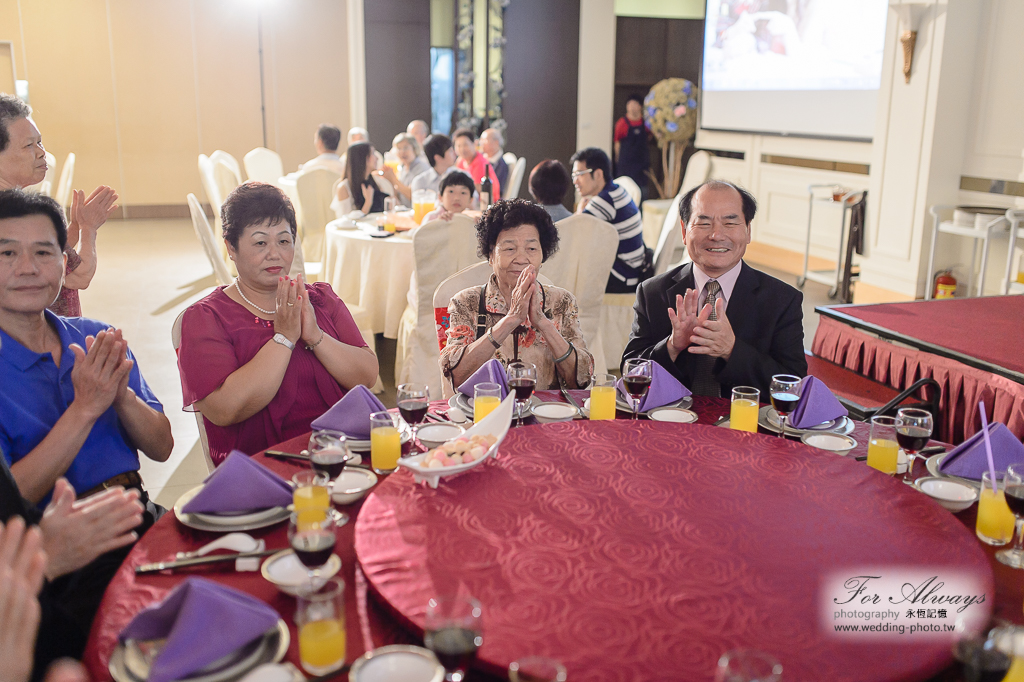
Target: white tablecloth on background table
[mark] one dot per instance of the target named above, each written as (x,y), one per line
(371,273)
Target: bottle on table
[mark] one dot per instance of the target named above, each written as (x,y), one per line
(486,188)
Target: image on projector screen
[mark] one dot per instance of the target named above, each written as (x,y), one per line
(794,44)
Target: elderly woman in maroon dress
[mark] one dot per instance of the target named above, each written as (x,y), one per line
(265,356)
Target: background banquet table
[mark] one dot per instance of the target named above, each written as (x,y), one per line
(373,622)
(972,347)
(372,273)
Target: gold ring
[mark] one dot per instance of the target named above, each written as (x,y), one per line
(291,305)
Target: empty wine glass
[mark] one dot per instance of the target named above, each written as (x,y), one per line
(785,394)
(522,378)
(413,401)
(637,374)
(913,429)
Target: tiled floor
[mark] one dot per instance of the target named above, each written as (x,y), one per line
(151,270)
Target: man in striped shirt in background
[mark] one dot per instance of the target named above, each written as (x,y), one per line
(603,199)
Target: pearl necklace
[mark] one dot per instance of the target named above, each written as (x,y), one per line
(251,304)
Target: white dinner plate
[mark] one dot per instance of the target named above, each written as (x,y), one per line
(289,575)
(236,519)
(130,660)
(623,405)
(358,445)
(769,419)
(932,465)
(465,404)
(672,414)
(231,523)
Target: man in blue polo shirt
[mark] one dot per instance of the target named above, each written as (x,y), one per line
(603,199)
(73,403)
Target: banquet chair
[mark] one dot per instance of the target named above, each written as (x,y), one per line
(510,159)
(632,189)
(45,186)
(210,187)
(176,342)
(209,242)
(473,276)
(515,179)
(67,176)
(440,249)
(670,242)
(231,162)
(586,253)
(264,165)
(314,188)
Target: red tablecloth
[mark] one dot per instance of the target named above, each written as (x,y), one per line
(642,551)
(963,387)
(990,328)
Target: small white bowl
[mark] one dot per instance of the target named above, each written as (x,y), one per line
(550,413)
(435,435)
(289,575)
(352,484)
(952,495)
(397,663)
(833,442)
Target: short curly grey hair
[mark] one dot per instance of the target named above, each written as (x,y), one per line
(11,109)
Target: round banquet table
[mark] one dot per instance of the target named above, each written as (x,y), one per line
(370,272)
(374,621)
(643,551)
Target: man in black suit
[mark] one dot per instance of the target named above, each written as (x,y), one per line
(717,323)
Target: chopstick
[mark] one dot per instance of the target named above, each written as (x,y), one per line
(285,455)
(199,561)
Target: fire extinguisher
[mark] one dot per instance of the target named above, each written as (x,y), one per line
(945,285)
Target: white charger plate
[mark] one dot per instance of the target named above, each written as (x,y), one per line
(933,463)
(231,523)
(672,414)
(130,662)
(364,445)
(465,404)
(289,575)
(769,419)
(235,519)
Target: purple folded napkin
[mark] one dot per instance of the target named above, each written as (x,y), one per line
(492,371)
(240,484)
(351,414)
(817,404)
(969,460)
(665,389)
(202,622)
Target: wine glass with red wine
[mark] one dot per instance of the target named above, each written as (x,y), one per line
(637,375)
(328,452)
(785,394)
(522,378)
(413,401)
(454,632)
(311,534)
(1014,492)
(913,429)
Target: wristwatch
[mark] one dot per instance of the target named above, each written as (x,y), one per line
(283,340)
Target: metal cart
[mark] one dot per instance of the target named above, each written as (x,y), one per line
(839,278)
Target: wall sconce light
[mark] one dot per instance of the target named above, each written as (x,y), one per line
(909,15)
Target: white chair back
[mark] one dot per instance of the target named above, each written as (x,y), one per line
(632,189)
(264,165)
(440,249)
(698,170)
(225,178)
(209,185)
(209,242)
(232,163)
(586,253)
(67,176)
(510,159)
(515,179)
(176,342)
(315,196)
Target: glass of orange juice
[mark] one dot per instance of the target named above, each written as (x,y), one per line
(486,397)
(310,490)
(883,450)
(743,410)
(995,520)
(385,442)
(602,397)
(320,618)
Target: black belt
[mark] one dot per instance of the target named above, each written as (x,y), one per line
(129,479)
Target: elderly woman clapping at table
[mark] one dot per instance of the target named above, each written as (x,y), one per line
(516,237)
(267,355)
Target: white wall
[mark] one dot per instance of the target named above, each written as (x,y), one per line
(596,93)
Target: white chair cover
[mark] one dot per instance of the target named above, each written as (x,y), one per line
(632,189)
(586,253)
(440,249)
(315,196)
(264,165)
(67,176)
(510,159)
(209,242)
(232,163)
(515,179)
(176,343)
(698,170)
